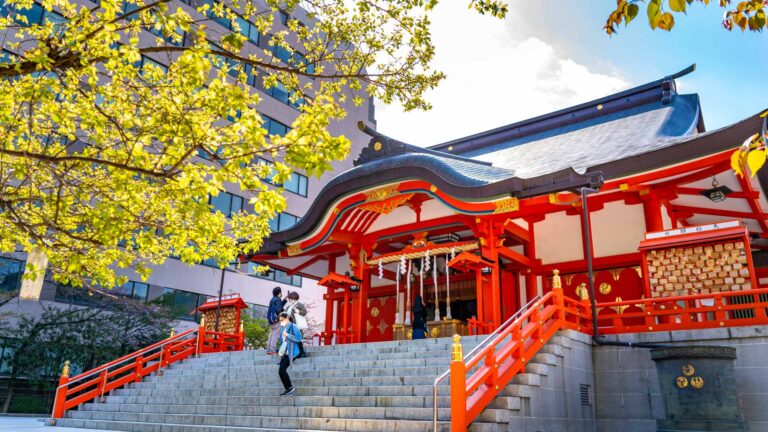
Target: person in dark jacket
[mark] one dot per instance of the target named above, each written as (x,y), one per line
(289,349)
(419,319)
(273,311)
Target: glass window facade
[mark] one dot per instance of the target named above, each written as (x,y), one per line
(274,275)
(297,183)
(283,221)
(10,274)
(226,203)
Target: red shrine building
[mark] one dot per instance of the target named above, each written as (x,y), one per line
(631,185)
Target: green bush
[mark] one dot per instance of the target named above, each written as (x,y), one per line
(29,405)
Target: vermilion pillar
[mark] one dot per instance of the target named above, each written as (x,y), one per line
(529,248)
(652,213)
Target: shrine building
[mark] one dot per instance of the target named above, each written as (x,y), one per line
(631,184)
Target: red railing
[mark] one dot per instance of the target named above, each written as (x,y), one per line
(89,385)
(513,345)
(702,311)
(476,327)
(494,366)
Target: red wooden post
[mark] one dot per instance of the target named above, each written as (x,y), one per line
(139,364)
(61,392)
(458,387)
(201,337)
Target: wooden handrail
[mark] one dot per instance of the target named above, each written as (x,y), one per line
(133,367)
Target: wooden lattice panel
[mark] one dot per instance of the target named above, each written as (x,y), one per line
(702,269)
(227,319)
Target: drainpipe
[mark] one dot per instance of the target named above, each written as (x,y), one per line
(587,227)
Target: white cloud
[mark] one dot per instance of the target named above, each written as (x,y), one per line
(495,77)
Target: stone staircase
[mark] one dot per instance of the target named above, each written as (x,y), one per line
(383,386)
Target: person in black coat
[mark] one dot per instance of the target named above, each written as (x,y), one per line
(419,319)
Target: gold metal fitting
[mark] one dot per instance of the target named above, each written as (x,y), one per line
(202,321)
(556,282)
(457,351)
(173,332)
(65,369)
(242,326)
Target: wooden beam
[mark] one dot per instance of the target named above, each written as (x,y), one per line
(697,192)
(517,231)
(718,212)
(517,257)
(306,264)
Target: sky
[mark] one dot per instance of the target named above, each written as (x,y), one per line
(549,55)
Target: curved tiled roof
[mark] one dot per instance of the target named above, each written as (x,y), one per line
(598,140)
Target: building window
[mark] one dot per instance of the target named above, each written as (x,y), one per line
(133,290)
(274,275)
(130,7)
(274,127)
(10,274)
(226,203)
(182,304)
(246,28)
(34,15)
(283,221)
(297,183)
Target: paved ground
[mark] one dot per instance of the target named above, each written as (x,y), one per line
(33,424)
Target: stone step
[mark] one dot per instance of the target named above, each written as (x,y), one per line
(159,404)
(313,363)
(302,425)
(220,414)
(302,382)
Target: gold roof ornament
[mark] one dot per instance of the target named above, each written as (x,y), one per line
(506,205)
(293,250)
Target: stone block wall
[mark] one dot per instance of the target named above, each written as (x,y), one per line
(627,393)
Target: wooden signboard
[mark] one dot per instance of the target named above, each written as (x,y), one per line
(698,260)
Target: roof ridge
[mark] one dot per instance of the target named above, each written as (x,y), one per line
(659,90)
(381,146)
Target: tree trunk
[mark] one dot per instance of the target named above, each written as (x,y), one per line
(8,396)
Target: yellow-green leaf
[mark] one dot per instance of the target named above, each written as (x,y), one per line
(755,160)
(737,162)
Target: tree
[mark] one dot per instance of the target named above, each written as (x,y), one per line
(256,332)
(111,327)
(98,138)
(746,15)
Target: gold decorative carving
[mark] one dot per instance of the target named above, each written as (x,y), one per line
(619,309)
(375,312)
(387,205)
(688,370)
(615,273)
(377,146)
(433,188)
(381,193)
(605,288)
(293,250)
(382,326)
(435,333)
(506,205)
(410,334)
(697,382)
(681,382)
(582,291)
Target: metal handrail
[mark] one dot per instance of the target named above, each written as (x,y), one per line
(106,368)
(499,329)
